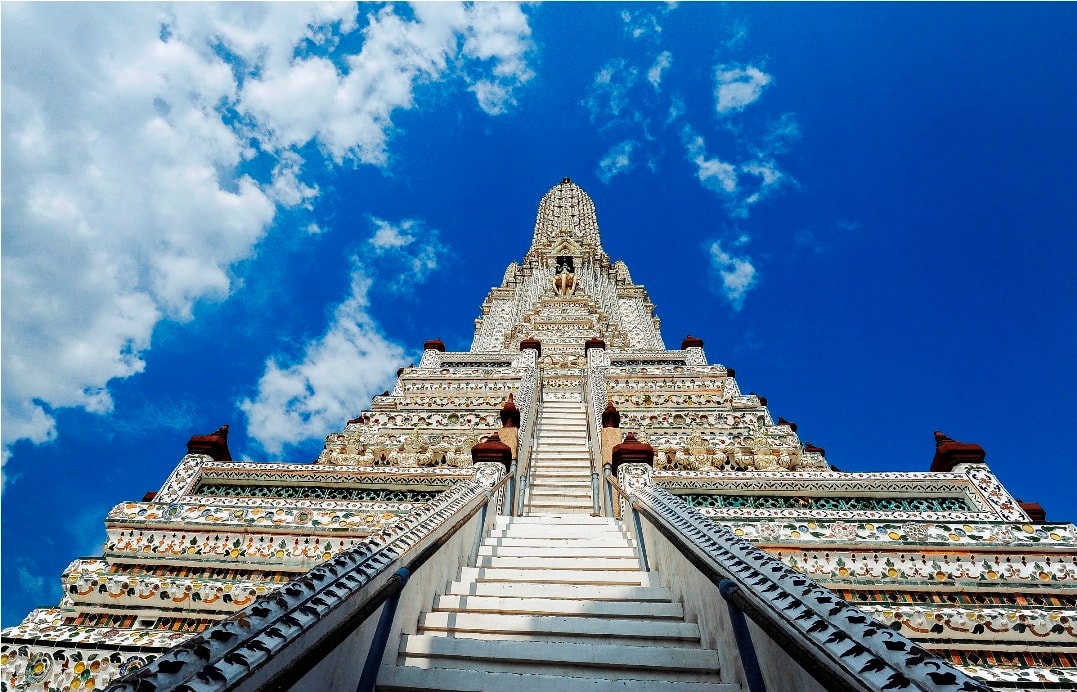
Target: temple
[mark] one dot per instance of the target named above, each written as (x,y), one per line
(570,504)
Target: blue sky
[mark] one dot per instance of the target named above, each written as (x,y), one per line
(253,214)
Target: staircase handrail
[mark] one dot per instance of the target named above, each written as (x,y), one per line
(840,645)
(359,580)
(526,445)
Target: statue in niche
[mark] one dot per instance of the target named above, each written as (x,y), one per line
(564,280)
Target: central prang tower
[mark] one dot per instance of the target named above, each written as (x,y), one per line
(569,504)
(566,291)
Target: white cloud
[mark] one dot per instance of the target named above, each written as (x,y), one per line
(609,92)
(409,248)
(499,33)
(741,184)
(736,275)
(661,64)
(713,173)
(127,130)
(338,372)
(738,87)
(646,23)
(617,160)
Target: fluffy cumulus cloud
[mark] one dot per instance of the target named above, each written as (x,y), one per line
(617,160)
(735,275)
(129,130)
(738,87)
(334,379)
(413,251)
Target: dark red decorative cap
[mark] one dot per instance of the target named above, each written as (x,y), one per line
(611,417)
(531,343)
(791,424)
(691,342)
(354,420)
(594,343)
(434,345)
(730,372)
(632,451)
(949,453)
(510,415)
(148,497)
(494,450)
(1034,511)
(809,447)
(400,371)
(215,445)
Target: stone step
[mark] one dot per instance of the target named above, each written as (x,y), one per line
(567,476)
(501,520)
(567,592)
(402,678)
(559,606)
(541,542)
(583,490)
(560,550)
(563,507)
(556,628)
(546,563)
(580,509)
(543,476)
(557,576)
(558,658)
(566,532)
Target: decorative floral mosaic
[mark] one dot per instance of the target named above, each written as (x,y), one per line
(908,534)
(1034,668)
(310,521)
(225,546)
(992,624)
(53,668)
(1018,569)
(47,624)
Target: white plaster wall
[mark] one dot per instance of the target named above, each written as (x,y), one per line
(340,670)
(704,605)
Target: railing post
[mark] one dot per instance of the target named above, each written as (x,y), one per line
(477,541)
(508,506)
(381,635)
(595,497)
(744,638)
(608,473)
(639,537)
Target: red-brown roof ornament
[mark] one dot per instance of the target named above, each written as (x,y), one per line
(730,372)
(691,342)
(809,447)
(632,451)
(492,449)
(949,453)
(611,417)
(791,424)
(1034,511)
(214,445)
(434,345)
(593,343)
(531,343)
(510,415)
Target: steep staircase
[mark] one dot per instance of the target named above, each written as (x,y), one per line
(554,603)
(556,600)
(560,474)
